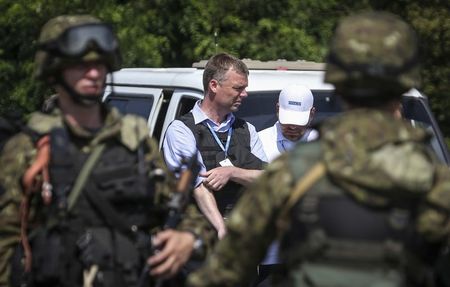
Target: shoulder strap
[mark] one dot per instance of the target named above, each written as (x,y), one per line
(241,129)
(188,120)
(239,123)
(84,174)
(302,186)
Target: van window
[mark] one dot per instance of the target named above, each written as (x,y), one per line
(131,104)
(185,105)
(259,108)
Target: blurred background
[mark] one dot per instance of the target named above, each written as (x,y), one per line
(170,33)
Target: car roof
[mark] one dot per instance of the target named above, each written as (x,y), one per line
(259,80)
(263,76)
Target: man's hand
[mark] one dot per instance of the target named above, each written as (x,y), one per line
(175,249)
(216,178)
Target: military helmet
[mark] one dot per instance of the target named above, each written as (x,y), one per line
(373,51)
(70,39)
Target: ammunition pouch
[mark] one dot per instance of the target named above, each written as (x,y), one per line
(49,259)
(111,258)
(101,256)
(48,256)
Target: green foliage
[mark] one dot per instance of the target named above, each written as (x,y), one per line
(432,24)
(176,33)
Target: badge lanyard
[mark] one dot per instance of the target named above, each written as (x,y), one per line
(219,142)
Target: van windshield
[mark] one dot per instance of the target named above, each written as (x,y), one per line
(259,109)
(131,104)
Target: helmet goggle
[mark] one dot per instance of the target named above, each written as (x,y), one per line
(77,41)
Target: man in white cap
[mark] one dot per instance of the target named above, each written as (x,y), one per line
(295,111)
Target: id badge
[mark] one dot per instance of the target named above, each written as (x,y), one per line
(226,162)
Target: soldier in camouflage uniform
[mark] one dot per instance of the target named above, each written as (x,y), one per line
(365,205)
(93,227)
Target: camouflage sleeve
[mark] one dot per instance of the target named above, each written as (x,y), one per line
(250,230)
(14,160)
(433,220)
(192,220)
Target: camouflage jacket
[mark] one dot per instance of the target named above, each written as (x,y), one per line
(368,155)
(19,153)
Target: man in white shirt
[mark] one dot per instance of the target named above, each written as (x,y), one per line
(295,111)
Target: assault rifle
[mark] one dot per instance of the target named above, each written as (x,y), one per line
(176,206)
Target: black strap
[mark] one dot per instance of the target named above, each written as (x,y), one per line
(83,175)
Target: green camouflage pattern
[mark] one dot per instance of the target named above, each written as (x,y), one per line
(47,64)
(358,159)
(56,26)
(370,155)
(19,153)
(379,41)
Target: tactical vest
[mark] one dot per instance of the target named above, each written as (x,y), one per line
(334,240)
(239,153)
(89,237)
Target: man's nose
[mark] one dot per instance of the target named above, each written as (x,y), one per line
(244,94)
(94,71)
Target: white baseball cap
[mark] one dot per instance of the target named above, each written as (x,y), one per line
(296,102)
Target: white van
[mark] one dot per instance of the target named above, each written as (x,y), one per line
(163,94)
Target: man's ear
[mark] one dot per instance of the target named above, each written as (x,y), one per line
(213,85)
(277,108)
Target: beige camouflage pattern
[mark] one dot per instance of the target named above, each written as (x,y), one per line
(47,64)
(360,158)
(391,159)
(379,40)
(11,164)
(19,153)
(56,26)
(364,151)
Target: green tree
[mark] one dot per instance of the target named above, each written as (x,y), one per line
(177,33)
(22,20)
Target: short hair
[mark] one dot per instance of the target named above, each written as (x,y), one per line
(218,65)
